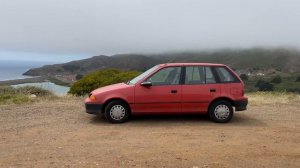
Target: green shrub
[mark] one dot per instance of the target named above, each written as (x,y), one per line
(7,90)
(294,90)
(28,90)
(20,95)
(266,87)
(101,78)
(298,79)
(260,82)
(244,77)
(277,79)
(13,98)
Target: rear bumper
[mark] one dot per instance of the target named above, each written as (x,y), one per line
(241,105)
(93,108)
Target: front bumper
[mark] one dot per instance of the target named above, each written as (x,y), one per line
(93,108)
(241,105)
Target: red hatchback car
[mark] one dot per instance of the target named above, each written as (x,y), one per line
(173,88)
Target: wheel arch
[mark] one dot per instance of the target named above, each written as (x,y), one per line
(114,99)
(221,98)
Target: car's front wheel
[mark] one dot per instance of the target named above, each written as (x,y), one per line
(221,111)
(117,111)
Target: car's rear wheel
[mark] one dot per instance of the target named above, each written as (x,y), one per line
(221,111)
(117,111)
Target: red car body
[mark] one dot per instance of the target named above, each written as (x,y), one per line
(184,95)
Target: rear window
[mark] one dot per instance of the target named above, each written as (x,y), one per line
(225,75)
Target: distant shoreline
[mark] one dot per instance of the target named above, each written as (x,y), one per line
(33,80)
(22,81)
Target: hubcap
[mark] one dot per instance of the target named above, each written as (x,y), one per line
(222,112)
(117,112)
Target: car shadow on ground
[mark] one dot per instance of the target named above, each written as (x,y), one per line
(242,119)
(155,120)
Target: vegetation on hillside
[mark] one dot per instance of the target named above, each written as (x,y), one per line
(264,86)
(279,83)
(279,68)
(20,95)
(98,79)
(244,77)
(277,79)
(245,60)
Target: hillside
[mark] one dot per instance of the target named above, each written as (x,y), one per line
(285,60)
(244,61)
(125,62)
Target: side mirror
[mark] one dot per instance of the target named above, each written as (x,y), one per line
(146,84)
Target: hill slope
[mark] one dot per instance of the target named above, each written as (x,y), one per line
(248,60)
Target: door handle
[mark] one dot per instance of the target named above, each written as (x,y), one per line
(173,91)
(212,90)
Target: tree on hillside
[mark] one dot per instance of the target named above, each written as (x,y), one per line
(259,82)
(264,86)
(294,90)
(298,79)
(277,79)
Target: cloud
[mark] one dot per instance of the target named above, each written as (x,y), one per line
(126,26)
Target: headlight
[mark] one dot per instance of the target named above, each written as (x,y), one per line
(92,97)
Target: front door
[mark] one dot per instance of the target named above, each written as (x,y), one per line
(163,96)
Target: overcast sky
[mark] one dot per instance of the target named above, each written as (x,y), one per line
(72,29)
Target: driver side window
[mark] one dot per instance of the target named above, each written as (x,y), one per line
(166,76)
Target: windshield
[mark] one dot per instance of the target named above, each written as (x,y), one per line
(141,76)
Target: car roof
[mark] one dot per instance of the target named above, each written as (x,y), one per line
(190,64)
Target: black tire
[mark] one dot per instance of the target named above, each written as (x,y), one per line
(221,118)
(122,111)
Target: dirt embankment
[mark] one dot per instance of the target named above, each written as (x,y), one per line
(59,133)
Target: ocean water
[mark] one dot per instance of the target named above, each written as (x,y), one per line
(10,70)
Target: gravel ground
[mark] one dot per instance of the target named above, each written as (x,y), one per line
(58,133)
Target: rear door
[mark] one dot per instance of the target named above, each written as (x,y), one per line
(199,89)
(231,86)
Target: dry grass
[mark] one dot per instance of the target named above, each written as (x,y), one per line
(22,95)
(260,98)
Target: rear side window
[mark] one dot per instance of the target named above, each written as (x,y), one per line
(194,75)
(210,78)
(225,75)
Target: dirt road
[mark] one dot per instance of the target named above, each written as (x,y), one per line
(60,134)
